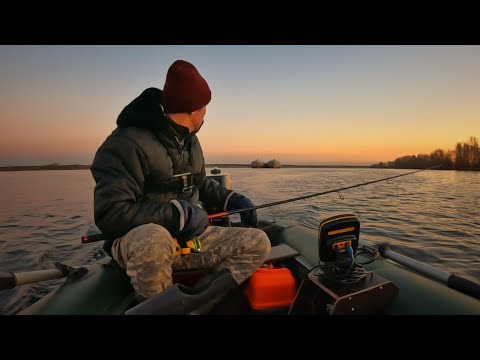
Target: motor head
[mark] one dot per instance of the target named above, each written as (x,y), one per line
(338,238)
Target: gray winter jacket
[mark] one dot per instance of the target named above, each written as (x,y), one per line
(134,171)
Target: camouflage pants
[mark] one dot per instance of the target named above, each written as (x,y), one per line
(147,253)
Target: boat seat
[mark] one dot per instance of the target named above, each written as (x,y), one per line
(190,277)
(281,252)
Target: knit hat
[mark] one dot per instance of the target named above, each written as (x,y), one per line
(185,90)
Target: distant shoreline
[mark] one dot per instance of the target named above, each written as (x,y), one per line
(286,166)
(87,167)
(221,166)
(44,167)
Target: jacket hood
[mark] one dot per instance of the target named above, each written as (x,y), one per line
(145,111)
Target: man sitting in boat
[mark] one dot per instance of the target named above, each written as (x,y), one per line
(151,184)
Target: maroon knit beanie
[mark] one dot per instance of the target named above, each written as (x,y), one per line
(185,90)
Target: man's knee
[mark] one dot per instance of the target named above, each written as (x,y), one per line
(258,243)
(264,244)
(151,240)
(150,258)
(253,253)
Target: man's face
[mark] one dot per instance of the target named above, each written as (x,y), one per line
(197,118)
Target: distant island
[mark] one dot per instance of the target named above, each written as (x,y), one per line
(272,164)
(289,166)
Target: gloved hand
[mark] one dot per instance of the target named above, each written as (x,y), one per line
(195,222)
(238,201)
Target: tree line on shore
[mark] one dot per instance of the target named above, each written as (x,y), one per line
(465,156)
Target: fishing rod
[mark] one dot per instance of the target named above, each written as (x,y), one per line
(226,213)
(96,237)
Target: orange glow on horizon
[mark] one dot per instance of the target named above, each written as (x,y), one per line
(296,104)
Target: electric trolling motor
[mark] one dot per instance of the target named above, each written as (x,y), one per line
(339,285)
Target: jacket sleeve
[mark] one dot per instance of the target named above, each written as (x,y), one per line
(119,169)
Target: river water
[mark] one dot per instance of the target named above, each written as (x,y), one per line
(431,216)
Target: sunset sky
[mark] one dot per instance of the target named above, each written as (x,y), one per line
(298,104)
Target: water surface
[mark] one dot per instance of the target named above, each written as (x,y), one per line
(432,216)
